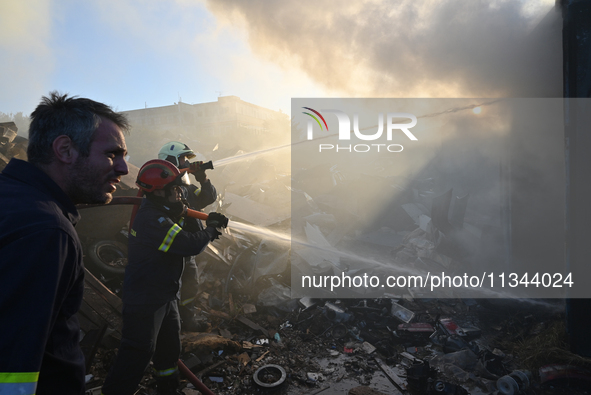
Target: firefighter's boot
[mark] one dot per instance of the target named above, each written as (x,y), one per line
(168,385)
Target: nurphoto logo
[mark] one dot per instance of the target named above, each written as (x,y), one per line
(344,133)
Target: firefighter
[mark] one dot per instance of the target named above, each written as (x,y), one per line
(195,198)
(161,236)
(76,154)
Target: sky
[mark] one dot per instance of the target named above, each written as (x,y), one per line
(136,53)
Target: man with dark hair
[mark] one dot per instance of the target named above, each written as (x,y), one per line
(76,155)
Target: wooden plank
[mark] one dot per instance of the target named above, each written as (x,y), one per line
(253,325)
(99,310)
(113,300)
(102,308)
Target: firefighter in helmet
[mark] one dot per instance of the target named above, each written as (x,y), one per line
(195,198)
(161,236)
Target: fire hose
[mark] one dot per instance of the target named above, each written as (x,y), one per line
(137,200)
(193,379)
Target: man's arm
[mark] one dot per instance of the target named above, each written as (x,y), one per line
(201,197)
(32,297)
(157,229)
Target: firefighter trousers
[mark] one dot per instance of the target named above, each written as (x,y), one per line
(150,332)
(189,282)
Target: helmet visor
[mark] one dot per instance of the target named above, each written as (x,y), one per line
(184,179)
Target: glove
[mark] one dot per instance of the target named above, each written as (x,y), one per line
(194,167)
(216,220)
(198,173)
(215,234)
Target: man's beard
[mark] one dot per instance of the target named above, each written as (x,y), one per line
(87,184)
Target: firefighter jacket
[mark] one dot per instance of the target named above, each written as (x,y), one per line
(198,198)
(157,247)
(41,285)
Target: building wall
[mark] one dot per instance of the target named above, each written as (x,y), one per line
(229,121)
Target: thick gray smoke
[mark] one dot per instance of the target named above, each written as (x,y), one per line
(406,48)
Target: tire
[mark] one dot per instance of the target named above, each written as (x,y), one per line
(108,257)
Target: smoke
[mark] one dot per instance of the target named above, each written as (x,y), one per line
(437,49)
(406,48)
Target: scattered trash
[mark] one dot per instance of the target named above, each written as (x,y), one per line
(442,387)
(396,380)
(449,327)
(93,391)
(252,325)
(243,358)
(307,302)
(269,376)
(566,376)
(286,325)
(368,347)
(339,331)
(420,377)
(314,377)
(259,359)
(403,314)
(276,295)
(249,308)
(336,314)
(418,329)
(454,343)
(514,383)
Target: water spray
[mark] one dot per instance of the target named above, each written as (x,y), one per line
(285,238)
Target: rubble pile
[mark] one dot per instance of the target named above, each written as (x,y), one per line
(263,339)
(11,145)
(448,346)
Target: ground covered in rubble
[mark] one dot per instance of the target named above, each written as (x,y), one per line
(358,346)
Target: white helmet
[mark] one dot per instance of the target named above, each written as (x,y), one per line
(173,150)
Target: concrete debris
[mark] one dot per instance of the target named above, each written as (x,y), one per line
(368,349)
(11,145)
(249,308)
